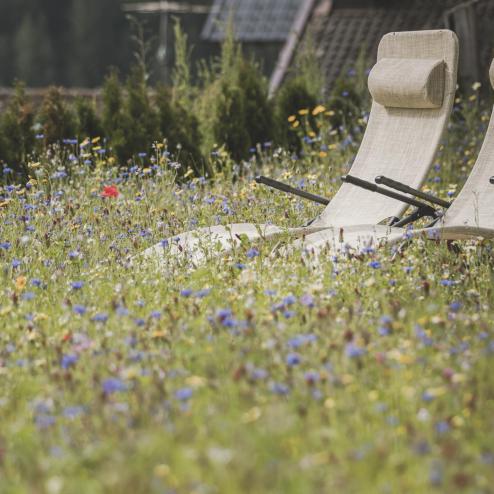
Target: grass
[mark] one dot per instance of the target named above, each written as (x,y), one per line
(371,373)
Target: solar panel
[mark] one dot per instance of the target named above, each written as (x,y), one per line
(253,20)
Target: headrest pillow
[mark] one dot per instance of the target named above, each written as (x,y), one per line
(408,82)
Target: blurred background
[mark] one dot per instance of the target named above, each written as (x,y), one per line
(73,42)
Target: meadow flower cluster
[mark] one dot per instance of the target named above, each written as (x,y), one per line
(251,373)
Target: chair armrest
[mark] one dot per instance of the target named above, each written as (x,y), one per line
(381,179)
(291,190)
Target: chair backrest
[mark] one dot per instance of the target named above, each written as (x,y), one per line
(474,206)
(413,86)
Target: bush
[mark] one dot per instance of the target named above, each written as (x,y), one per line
(293,96)
(234,107)
(229,123)
(350,96)
(88,122)
(179,126)
(16,131)
(113,111)
(139,121)
(258,111)
(56,118)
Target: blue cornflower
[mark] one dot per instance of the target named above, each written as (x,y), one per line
(280,389)
(156,314)
(77,285)
(68,361)
(28,296)
(427,396)
(253,252)
(223,314)
(442,427)
(44,421)
(307,300)
(354,351)
(293,359)
(5,245)
(79,309)
(448,282)
(186,292)
(183,394)
(100,317)
(16,263)
(36,282)
(455,306)
(289,300)
(113,385)
(375,265)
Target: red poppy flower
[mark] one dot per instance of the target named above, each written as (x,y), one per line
(110,191)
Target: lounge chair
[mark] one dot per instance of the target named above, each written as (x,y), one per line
(413,86)
(470,215)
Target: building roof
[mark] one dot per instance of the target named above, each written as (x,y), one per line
(341,29)
(253,20)
(345,32)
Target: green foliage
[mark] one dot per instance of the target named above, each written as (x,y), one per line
(57,119)
(349,95)
(16,130)
(293,96)
(139,123)
(88,122)
(228,125)
(113,101)
(259,121)
(180,128)
(302,90)
(234,108)
(183,91)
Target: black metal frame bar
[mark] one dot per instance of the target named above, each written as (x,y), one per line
(491,180)
(389,193)
(422,209)
(381,179)
(291,190)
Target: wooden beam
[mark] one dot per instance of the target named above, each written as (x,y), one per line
(165,7)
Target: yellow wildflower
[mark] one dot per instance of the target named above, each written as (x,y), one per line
(318,109)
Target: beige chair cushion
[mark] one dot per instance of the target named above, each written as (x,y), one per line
(408,83)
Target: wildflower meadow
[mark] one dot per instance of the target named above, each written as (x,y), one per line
(257,371)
